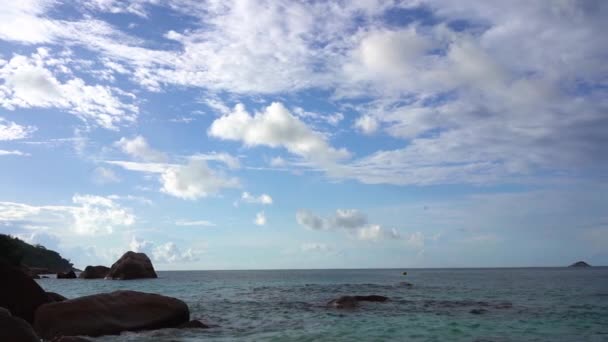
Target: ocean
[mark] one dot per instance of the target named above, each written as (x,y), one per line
(505,304)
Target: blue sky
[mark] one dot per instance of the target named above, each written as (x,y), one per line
(281,134)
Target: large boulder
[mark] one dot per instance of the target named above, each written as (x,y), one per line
(15,329)
(94,272)
(132,266)
(66,275)
(351,302)
(19,293)
(110,314)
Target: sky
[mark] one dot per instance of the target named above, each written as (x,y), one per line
(306,134)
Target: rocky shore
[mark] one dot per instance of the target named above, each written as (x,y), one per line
(28,313)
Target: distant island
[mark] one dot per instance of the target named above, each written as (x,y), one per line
(20,253)
(580,264)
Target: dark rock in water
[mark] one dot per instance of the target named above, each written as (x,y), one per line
(66,275)
(110,314)
(350,302)
(372,298)
(478,311)
(55,297)
(94,272)
(194,324)
(15,329)
(580,264)
(19,293)
(406,284)
(132,266)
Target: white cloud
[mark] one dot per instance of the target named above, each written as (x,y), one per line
(367,124)
(275,127)
(194,180)
(187,181)
(376,232)
(170,253)
(195,223)
(277,162)
(231,161)
(12,131)
(90,215)
(98,214)
(27,82)
(260,219)
(139,149)
(13,153)
(140,245)
(104,175)
(351,221)
(262,199)
(166,253)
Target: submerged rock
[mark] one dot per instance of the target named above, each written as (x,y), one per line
(478,311)
(110,314)
(94,272)
(66,275)
(15,329)
(580,264)
(132,266)
(194,324)
(349,302)
(19,293)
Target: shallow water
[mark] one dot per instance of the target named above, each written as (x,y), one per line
(527,304)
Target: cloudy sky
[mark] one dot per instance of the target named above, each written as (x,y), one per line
(307,134)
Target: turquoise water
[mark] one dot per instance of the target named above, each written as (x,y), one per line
(528,304)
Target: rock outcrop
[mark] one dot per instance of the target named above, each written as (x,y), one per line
(15,329)
(110,314)
(132,266)
(66,275)
(19,293)
(350,302)
(94,272)
(580,264)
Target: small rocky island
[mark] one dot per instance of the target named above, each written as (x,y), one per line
(580,264)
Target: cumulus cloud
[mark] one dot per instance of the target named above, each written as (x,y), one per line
(28,82)
(275,127)
(476,104)
(89,215)
(191,180)
(260,219)
(194,180)
(261,199)
(166,253)
(367,124)
(139,149)
(12,131)
(352,221)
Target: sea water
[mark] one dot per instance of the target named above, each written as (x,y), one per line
(508,304)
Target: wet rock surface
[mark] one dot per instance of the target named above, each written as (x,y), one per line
(110,314)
